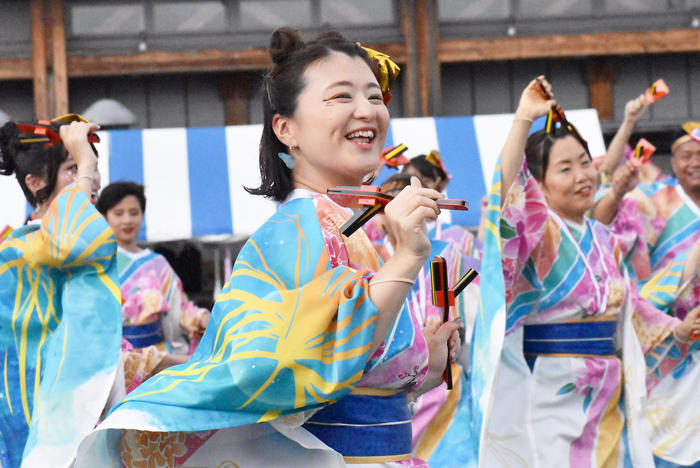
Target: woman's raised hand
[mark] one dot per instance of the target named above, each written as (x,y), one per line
(634,109)
(533,103)
(406,216)
(75,139)
(624,179)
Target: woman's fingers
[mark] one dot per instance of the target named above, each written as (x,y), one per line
(75,139)
(406,216)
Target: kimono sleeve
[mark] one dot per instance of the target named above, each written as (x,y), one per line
(522,226)
(654,329)
(73,234)
(288,333)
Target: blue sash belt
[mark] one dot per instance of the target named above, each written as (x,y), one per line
(365,428)
(585,337)
(141,336)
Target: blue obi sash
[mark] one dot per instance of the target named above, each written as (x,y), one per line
(141,336)
(365,428)
(588,337)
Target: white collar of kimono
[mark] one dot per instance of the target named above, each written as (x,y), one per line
(133,255)
(688,201)
(601,301)
(303,193)
(573,224)
(34,221)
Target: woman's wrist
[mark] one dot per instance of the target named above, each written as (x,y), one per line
(678,338)
(524,116)
(406,264)
(615,197)
(87,168)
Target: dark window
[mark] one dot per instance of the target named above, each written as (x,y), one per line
(357,12)
(459,10)
(107,20)
(267,15)
(186,17)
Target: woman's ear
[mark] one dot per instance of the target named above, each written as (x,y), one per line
(35,183)
(282,126)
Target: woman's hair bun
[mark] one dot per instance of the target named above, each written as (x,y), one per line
(283,43)
(8,134)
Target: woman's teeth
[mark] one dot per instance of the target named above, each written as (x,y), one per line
(369,134)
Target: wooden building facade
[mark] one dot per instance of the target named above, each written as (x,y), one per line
(176,63)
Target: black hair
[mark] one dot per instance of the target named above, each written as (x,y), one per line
(537,150)
(426,169)
(25,159)
(398,181)
(281,88)
(115,192)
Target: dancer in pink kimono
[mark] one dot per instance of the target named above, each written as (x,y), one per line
(581,346)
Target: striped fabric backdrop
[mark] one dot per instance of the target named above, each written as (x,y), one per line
(194,177)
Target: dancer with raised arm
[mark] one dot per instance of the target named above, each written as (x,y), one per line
(580,342)
(659,227)
(63,359)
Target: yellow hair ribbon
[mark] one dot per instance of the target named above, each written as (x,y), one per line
(66,119)
(388,70)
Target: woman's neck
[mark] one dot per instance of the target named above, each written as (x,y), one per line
(314,180)
(574,218)
(130,247)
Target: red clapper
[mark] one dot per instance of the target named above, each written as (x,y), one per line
(444,297)
(47,133)
(656,91)
(369,200)
(642,152)
(393,157)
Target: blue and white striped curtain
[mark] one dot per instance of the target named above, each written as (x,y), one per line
(194,177)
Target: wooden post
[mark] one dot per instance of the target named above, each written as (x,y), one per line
(599,75)
(423,53)
(408,73)
(39,62)
(237,89)
(59,60)
(436,88)
(426,57)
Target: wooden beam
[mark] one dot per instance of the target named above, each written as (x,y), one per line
(39,61)
(59,60)
(600,75)
(408,74)
(237,89)
(188,62)
(423,51)
(574,45)
(436,81)
(16,69)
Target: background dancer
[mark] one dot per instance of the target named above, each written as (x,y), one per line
(559,393)
(155,308)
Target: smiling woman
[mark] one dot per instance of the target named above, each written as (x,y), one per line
(578,334)
(155,309)
(311,329)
